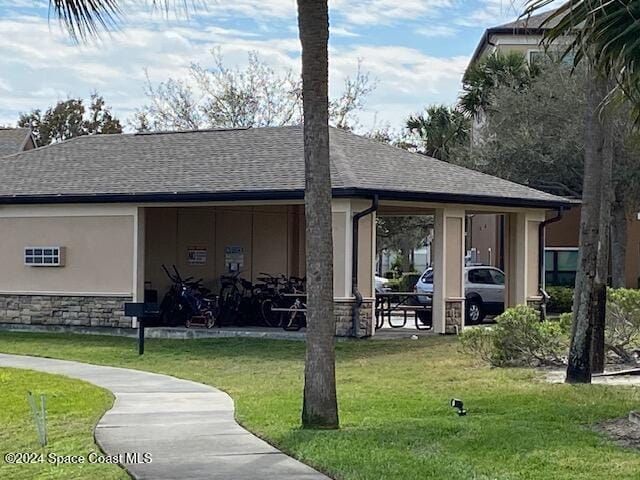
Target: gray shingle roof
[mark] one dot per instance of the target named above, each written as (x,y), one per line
(257,162)
(528,25)
(12,140)
(532,22)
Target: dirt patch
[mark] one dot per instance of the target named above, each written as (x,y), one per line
(622,431)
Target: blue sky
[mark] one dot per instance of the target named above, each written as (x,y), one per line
(416,50)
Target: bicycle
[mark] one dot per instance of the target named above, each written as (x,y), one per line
(296,316)
(235,299)
(187,300)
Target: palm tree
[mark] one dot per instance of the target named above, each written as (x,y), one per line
(439,129)
(86,18)
(483,76)
(320,406)
(604,34)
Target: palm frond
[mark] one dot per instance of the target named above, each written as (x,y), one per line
(86,18)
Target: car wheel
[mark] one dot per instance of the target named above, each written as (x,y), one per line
(475,314)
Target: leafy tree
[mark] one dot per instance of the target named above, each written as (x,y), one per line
(85,18)
(605,34)
(403,235)
(255,96)
(534,135)
(68,119)
(438,130)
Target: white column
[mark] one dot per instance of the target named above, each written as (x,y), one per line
(138,258)
(448,270)
(522,257)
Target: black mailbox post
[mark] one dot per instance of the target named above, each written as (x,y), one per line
(143,312)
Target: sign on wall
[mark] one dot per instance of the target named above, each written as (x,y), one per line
(197,255)
(234,258)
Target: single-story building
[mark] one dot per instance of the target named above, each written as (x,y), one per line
(86,224)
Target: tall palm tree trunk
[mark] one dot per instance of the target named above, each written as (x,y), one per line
(604,242)
(585,298)
(320,406)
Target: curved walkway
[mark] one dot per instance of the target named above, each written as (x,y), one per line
(187,427)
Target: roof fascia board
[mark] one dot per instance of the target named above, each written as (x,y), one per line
(296,195)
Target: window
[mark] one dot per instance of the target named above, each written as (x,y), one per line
(44,256)
(536,56)
(481,275)
(498,277)
(560,266)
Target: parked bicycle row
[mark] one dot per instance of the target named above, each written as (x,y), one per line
(273,301)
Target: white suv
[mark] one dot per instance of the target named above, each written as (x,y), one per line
(484,291)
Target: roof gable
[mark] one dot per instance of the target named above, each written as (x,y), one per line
(13,140)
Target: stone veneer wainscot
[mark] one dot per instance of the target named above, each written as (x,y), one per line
(89,311)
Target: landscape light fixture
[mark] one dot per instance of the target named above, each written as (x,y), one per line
(455,403)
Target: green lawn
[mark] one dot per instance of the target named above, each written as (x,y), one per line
(394,406)
(73,408)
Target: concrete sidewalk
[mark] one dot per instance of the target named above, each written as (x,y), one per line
(187,427)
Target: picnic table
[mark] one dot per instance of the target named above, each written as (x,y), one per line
(388,303)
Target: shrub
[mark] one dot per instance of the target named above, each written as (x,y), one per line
(479,342)
(408,281)
(561,299)
(519,339)
(394,284)
(565,320)
(622,328)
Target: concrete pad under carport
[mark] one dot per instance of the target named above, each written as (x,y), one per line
(188,428)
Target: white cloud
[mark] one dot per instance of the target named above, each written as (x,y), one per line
(40,65)
(383,12)
(492,13)
(436,31)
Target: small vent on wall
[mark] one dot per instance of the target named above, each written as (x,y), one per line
(44,256)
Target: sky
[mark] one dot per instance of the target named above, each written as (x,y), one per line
(416,50)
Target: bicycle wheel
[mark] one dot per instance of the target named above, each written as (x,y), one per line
(266,313)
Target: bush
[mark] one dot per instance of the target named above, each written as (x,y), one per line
(519,338)
(561,299)
(408,281)
(622,328)
(394,284)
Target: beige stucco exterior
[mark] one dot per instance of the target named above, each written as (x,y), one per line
(99,250)
(522,257)
(118,250)
(268,235)
(448,284)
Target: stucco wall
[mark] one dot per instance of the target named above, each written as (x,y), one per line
(483,236)
(99,254)
(566,232)
(268,236)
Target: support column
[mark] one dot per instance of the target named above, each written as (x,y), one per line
(522,258)
(139,224)
(344,300)
(448,270)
